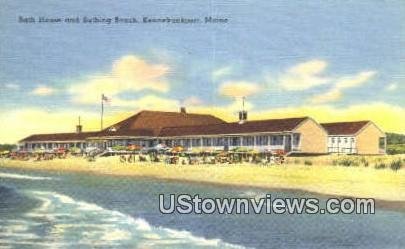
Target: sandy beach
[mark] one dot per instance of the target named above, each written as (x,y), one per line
(364,182)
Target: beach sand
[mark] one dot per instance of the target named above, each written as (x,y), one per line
(362,182)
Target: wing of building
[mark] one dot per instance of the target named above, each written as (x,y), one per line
(207,132)
(361,137)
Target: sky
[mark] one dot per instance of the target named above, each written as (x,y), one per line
(331,60)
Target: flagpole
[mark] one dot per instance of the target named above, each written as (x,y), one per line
(102,110)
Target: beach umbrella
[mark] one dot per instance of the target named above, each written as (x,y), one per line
(61,150)
(177,149)
(134,147)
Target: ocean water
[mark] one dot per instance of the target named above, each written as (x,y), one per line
(55,210)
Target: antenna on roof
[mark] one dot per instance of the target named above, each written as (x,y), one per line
(79,127)
(243,113)
(243,103)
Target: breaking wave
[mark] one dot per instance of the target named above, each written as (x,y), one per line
(60,221)
(24,177)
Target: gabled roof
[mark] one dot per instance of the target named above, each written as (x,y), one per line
(142,124)
(150,123)
(270,125)
(59,137)
(344,128)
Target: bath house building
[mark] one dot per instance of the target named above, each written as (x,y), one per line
(208,133)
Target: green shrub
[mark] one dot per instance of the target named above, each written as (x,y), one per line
(380,165)
(347,162)
(364,162)
(297,161)
(119,148)
(308,162)
(393,149)
(396,164)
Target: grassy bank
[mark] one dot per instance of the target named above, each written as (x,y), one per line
(319,176)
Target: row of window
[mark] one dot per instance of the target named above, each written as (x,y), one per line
(231,141)
(54,145)
(194,142)
(339,140)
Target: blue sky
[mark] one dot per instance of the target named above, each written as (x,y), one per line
(283,54)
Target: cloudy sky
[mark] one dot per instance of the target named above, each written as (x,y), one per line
(332,60)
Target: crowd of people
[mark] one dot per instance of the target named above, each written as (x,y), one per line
(176,155)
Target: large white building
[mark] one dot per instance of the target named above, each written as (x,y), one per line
(208,133)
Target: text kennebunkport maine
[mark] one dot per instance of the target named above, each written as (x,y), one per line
(121,20)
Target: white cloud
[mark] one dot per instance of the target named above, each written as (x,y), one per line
(332,95)
(43,90)
(12,86)
(221,72)
(336,92)
(304,76)
(354,80)
(238,89)
(128,74)
(392,87)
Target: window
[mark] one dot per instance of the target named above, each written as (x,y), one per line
(186,142)
(276,140)
(207,141)
(333,140)
(168,143)
(218,141)
(248,141)
(262,140)
(382,143)
(235,141)
(345,140)
(196,142)
(296,139)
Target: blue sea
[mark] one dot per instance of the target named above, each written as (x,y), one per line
(69,210)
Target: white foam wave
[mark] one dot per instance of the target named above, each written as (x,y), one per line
(25,177)
(85,223)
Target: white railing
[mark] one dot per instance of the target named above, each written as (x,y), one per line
(343,150)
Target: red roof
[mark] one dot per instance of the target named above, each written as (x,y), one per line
(142,124)
(270,125)
(59,137)
(344,128)
(150,123)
